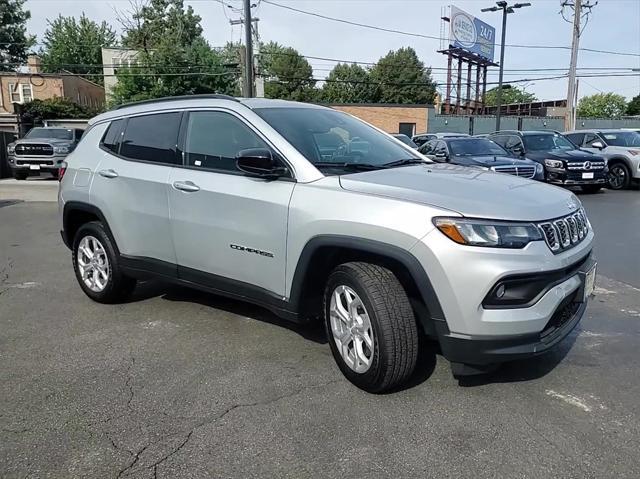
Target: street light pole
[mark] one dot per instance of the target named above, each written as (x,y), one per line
(506,9)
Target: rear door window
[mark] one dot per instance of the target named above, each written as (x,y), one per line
(111,138)
(576,138)
(152,138)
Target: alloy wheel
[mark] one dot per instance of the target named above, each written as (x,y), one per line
(617,177)
(351,329)
(93,264)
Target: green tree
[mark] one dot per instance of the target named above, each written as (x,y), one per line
(633,108)
(174,58)
(36,111)
(349,84)
(75,46)
(602,105)
(510,95)
(14,41)
(403,78)
(288,74)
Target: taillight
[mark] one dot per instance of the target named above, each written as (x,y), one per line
(62,170)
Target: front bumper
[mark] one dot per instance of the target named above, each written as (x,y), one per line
(36,163)
(575,177)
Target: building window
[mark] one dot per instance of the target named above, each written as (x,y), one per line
(20,92)
(408,129)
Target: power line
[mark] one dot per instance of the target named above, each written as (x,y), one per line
(433,37)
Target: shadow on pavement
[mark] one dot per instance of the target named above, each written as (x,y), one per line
(4,203)
(313,331)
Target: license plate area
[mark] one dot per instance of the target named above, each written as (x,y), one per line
(587,176)
(588,283)
(34,167)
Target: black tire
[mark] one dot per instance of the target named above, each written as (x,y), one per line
(395,333)
(591,189)
(119,286)
(619,176)
(20,175)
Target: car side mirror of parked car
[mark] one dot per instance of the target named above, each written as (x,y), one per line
(259,163)
(597,144)
(442,156)
(517,150)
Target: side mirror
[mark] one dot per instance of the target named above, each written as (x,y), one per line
(441,155)
(517,150)
(597,144)
(259,163)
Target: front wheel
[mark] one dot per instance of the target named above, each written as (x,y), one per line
(371,326)
(619,176)
(591,189)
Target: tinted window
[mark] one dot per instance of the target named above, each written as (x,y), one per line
(111,139)
(362,143)
(475,147)
(590,138)
(214,139)
(78,134)
(428,147)
(50,133)
(547,142)
(576,138)
(500,139)
(512,142)
(622,138)
(151,138)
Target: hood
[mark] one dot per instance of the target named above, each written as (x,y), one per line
(50,141)
(568,156)
(489,161)
(468,191)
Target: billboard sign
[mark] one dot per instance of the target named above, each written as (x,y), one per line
(470,34)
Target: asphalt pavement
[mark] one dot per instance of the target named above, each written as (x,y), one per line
(182,384)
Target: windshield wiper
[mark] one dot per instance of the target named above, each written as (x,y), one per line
(348,166)
(406,161)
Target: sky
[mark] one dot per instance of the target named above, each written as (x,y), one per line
(614,25)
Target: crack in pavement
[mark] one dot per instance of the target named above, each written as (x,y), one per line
(128,383)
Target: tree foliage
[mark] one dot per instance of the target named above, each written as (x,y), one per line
(174,58)
(75,46)
(14,41)
(402,78)
(633,108)
(349,84)
(602,105)
(510,95)
(36,111)
(288,75)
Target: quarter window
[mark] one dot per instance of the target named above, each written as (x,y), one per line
(111,139)
(214,139)
(152,138)
(590,138)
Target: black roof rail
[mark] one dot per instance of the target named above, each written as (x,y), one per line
(206,96)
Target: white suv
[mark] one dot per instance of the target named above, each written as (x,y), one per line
(311,213)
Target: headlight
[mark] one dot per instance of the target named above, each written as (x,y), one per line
(553,164)
(61,149)
(539,167)
(490,233)
(11,149)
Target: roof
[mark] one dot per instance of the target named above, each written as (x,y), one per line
(194,101)
(524,133)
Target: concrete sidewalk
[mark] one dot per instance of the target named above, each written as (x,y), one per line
(31,189)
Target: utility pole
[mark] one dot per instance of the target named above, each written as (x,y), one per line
(258,78)
(577,5)
(506,9)
(248,58)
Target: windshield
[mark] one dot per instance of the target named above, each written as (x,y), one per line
(622,138)
(332,139)
(475,147)
(547,142)
(50,133)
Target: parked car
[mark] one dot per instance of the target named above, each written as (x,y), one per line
(42,149)
(621,148)
(233,196)
(424,137)
(564,163)
(405,139)
(481,153)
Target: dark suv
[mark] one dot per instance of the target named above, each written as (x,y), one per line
(564,163)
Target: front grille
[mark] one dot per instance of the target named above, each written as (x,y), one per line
(586,166)
(34,149)
(34,162)
(566,232)
(524,171)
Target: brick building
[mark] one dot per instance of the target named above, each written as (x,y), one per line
(392,118)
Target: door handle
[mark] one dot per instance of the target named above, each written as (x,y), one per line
(108,173)
(187,186)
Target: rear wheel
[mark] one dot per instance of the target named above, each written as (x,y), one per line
(371,326)
(20,174)
(619,176)
(95,263)
(591,188)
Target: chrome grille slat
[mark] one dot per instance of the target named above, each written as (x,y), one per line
(566,232)
(522,171)
(594,165)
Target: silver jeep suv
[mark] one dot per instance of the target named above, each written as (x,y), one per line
(312,213)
